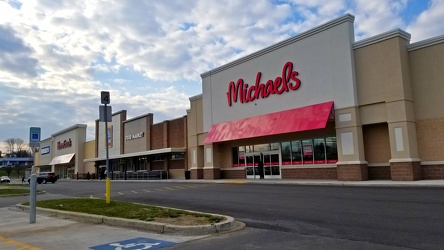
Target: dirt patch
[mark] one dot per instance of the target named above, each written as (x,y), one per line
(184,220)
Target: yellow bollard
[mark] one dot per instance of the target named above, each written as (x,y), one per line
(108,191)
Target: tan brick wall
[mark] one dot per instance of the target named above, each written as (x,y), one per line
(176,174)
(376,143)
(433,172)
(157,138)
(310,173)
(430,135)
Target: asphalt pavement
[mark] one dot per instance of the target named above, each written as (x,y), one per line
(16,231)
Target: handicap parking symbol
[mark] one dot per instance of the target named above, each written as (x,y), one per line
(134,244)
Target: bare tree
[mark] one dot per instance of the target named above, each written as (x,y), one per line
(19,144)
(14,145)
(10,145)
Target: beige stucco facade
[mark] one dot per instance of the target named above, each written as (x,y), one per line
(392,127)
(63,152)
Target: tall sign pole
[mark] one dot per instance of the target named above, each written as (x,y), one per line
(105,99)
(34,141)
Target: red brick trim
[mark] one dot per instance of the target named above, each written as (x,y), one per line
(433,172)
(196,174)
(212,174)
(405,171)
(233,174)
(352,172)
(310,173)
(379,173)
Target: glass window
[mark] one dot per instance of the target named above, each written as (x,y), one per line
(319,151)
(286,153)
(296,152)
(157,158)
(177,156)
(307,147)
(331,149)
(249,149)
(235,156)
(261,147)
(274,146)
(241,159)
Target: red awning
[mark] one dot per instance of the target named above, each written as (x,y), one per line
(288,121)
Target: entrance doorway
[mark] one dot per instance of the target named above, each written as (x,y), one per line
(272,165)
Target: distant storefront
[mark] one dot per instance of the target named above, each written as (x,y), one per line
(140,149)
(63,152)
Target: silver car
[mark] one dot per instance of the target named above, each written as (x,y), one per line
(5,179)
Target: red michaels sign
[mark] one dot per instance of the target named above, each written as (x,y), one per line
(245,93)
(64,144)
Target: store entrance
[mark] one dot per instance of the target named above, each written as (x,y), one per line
(272,165)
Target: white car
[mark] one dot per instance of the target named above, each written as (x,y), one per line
(5,179)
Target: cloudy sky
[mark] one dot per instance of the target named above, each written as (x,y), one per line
(56,56)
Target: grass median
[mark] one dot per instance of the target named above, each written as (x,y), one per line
(130,211)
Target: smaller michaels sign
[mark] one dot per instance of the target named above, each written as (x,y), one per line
(135,136)
(45,150)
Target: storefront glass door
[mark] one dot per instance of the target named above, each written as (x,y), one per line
(272,165)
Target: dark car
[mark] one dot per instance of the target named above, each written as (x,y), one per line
(44,177)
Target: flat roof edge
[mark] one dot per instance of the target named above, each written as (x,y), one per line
(426,43)
(69,129)
(382,37)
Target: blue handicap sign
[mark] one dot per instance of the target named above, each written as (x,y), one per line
(133,244)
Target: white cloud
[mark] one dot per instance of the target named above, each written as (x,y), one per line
(429,23)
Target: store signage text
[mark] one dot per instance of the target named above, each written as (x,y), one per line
(245,93)
(134,136)
(64,144)
(45,150)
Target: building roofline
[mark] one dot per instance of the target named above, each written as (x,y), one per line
(69,129)
(426,43)
(382,37)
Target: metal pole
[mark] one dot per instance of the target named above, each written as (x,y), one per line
(32,196)
(108,182)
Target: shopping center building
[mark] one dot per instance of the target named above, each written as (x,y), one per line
(322,106)
(315,106)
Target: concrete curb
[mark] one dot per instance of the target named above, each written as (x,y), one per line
(154,227)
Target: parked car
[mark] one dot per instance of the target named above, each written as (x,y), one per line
(5,179)
(44,177)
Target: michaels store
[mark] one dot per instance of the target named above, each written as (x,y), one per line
(322,106)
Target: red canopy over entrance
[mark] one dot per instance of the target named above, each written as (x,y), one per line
(293,120)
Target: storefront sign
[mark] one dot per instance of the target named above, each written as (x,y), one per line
(45,150)
(134,136)
(64,144)
(245,93)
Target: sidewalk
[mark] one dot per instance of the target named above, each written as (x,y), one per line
(370,183)
(55,233)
